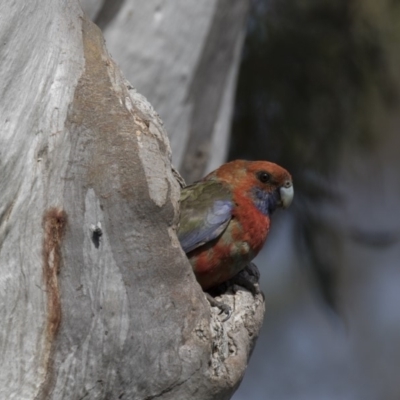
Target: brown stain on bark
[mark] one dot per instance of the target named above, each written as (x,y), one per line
(54,224)
(100,113)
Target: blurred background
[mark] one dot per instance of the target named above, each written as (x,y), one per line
(313,85)
(318,92)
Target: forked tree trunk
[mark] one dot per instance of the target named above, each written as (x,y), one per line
(98,300)
(183,55)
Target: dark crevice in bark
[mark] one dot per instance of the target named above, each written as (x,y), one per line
(108,13)
(206,91)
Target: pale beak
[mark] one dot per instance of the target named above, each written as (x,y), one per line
(286,192)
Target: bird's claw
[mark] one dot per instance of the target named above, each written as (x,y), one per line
(224,308)
(248,279)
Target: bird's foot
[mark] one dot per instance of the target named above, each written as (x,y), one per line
(248,278)
(224,308)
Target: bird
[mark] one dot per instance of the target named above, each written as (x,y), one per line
(225,217)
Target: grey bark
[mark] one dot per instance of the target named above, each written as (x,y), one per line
(97,298)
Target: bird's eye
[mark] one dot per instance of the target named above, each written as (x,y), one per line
(263,176)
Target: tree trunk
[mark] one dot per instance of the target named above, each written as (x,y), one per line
(98,299)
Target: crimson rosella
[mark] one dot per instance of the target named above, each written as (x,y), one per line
(225,217)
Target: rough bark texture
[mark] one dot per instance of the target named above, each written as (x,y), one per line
(183,56)
(97,298)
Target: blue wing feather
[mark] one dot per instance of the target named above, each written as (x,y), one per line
(202,218)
